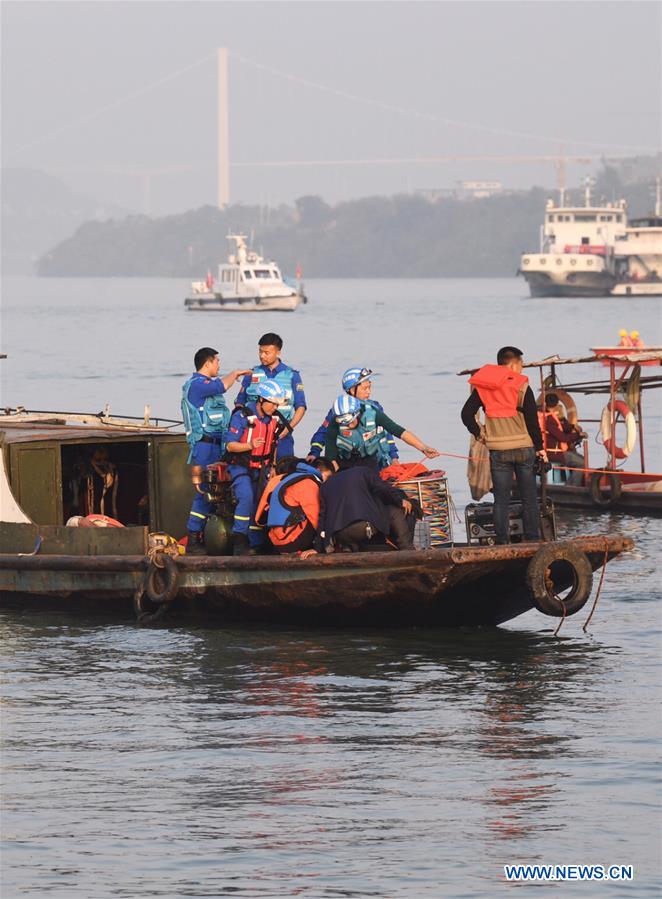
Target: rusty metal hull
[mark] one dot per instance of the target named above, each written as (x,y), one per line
(462,586)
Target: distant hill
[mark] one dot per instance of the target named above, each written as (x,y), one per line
(39,211)
(400,236)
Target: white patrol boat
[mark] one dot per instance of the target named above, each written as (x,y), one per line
(639,256)
(577,255)
(246,283)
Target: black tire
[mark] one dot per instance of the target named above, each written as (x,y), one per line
(161,583)
(556,568)
(146,611)
(600,498)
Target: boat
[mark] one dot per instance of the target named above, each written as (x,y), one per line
(57,468)
(607,486)
(639,256)
(577,256)
(246,283)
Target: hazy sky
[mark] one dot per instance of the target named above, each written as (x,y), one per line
(100,93)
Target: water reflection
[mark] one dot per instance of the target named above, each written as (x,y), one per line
(276,751)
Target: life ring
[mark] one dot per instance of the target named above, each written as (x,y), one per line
(555,568)
(622,409)
(566,401)
(161,580)
(99,521)
(613,494)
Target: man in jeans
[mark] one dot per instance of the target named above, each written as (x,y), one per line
(511,434)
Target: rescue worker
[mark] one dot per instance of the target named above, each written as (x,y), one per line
(625,340)
(358,434)
(358,505)
(356,382)
(290,508)
(272,367)
(561,438)
(635,339)
(251,446)
(206,418)
(512,435)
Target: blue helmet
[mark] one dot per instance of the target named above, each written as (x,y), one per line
(271,391)
(346,409)
(355,376)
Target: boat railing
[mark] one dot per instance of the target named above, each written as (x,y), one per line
(21,415)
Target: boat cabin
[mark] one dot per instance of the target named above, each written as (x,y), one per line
(55,468)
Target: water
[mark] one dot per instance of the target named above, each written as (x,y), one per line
(268,763)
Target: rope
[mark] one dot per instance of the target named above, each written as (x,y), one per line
(563,617)
(648,475)
(597,595)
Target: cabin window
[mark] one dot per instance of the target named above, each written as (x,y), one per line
(248,274)
(274,275)
(619,218)
(262,273)
(550,218)
(584,217)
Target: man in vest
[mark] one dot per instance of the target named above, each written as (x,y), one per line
(206,419)
(356,382)
(271,367)
(512,435)
(560,440)
(358,434)
(290,507)
(251,447)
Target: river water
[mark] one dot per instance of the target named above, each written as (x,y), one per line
(179,762)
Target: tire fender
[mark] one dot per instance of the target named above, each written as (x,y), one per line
(556,567)
(160,588)
(608,499)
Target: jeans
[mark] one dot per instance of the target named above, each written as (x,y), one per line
(574,460)
(503,464)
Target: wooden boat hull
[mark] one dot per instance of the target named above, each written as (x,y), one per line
(461,586)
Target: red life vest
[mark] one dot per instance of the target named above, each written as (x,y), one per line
(255,429)
(499,388)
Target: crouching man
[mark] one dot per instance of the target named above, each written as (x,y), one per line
(290,507)
(357,506)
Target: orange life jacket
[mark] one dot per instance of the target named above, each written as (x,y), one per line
(498,388)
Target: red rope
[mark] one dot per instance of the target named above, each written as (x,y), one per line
(597,595)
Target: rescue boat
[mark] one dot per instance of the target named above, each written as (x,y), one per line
(58,469)
(612,483)
(246,283)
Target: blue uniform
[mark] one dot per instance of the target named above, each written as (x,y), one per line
(246,482)
(319,437)
(296,401)
(203,452)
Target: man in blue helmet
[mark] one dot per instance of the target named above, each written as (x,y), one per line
(358,435)
(271,367)
(356,382)
(252,440)
(206,419)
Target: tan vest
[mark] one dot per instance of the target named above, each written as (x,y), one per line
(508,433)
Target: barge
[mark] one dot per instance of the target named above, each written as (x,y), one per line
(57,468)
